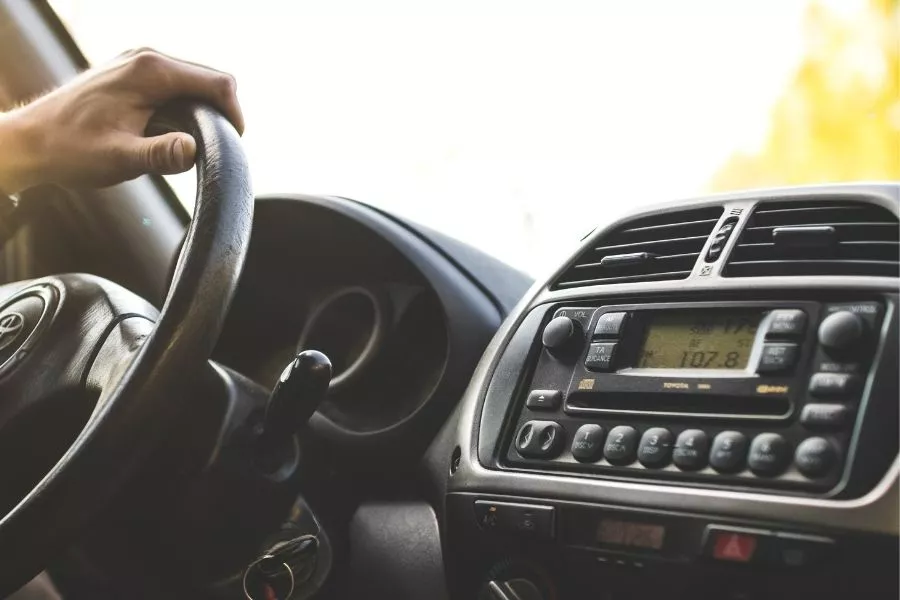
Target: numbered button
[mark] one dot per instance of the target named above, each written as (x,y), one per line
(587,445)
(691,450)
(621,445)
(655,448)
(815,457)
(769,454)
(729,450)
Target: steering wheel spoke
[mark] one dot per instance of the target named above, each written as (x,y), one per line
(52,331)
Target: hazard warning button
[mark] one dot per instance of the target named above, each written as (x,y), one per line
(734,545)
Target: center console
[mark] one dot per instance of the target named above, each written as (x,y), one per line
(695,427)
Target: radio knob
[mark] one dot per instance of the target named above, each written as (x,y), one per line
(841,332)
(563,336)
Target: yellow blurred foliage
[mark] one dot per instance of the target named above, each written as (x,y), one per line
(839,118)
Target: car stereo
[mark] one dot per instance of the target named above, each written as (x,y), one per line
(755,393)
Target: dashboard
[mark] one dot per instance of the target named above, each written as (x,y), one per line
(402,320)
(702,402)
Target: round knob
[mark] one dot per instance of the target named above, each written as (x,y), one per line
(562,336)
(841,331)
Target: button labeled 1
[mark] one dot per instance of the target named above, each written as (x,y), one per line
(587,445)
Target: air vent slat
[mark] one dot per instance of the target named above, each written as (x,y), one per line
(865,241)
(626,278)
(656,248)
(689,242)
(814,215)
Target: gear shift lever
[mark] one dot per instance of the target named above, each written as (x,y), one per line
(300,389)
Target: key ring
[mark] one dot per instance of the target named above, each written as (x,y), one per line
(258,561)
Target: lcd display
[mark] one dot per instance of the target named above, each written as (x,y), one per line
(693,339)
(634,535)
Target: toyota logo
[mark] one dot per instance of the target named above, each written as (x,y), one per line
(10,326)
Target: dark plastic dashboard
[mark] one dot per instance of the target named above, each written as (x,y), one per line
(403,320)
(537,526)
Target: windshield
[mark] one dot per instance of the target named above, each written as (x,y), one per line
(517,125)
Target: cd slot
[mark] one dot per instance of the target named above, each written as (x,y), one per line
(668,403)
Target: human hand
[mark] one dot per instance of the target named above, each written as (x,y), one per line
(89,132)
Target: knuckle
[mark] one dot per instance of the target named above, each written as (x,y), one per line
(136,51)
(146,61)
(227,85)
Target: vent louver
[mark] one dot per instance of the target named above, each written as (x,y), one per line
(653,248)
(823,237)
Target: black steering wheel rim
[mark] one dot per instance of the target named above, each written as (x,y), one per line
(131,415)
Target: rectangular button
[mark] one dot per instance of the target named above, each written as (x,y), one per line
(786,323)
(732,545)
(825,416)
(533,521)
(600,357)
(833,384)
(796,551)
(544,399)
(609,325)
(530,520)
(777,357)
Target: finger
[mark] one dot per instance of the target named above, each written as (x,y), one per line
(163,154)
(166,78)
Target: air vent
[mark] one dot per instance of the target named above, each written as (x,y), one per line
(824,237)
(653,248)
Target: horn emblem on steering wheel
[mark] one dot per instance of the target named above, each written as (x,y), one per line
(10,326)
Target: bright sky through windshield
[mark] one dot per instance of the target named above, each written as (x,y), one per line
(513,125)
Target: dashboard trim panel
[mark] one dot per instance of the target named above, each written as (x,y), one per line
(873,512)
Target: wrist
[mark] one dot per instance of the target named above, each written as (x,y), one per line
(19,152)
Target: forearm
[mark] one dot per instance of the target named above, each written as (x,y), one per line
(19,152)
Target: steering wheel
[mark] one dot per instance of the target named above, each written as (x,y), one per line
(96,369)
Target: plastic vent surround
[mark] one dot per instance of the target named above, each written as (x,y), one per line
(823,237)
(653,248)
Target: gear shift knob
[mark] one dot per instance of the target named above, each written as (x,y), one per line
(300,389)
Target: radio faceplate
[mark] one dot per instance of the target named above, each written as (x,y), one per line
(755,393)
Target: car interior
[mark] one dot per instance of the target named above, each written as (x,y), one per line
(300,396)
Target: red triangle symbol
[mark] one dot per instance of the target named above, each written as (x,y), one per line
(733,549)
(734,546)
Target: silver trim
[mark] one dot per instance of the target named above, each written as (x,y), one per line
(875,512)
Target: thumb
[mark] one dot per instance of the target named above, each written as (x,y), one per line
(164,154)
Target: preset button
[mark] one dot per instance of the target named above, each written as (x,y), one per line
(691,450)
(655,448)
(587,445)
(621,445)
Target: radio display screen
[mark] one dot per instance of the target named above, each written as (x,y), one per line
(693,339)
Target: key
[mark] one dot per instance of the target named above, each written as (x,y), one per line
(285,565)
(268,579)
